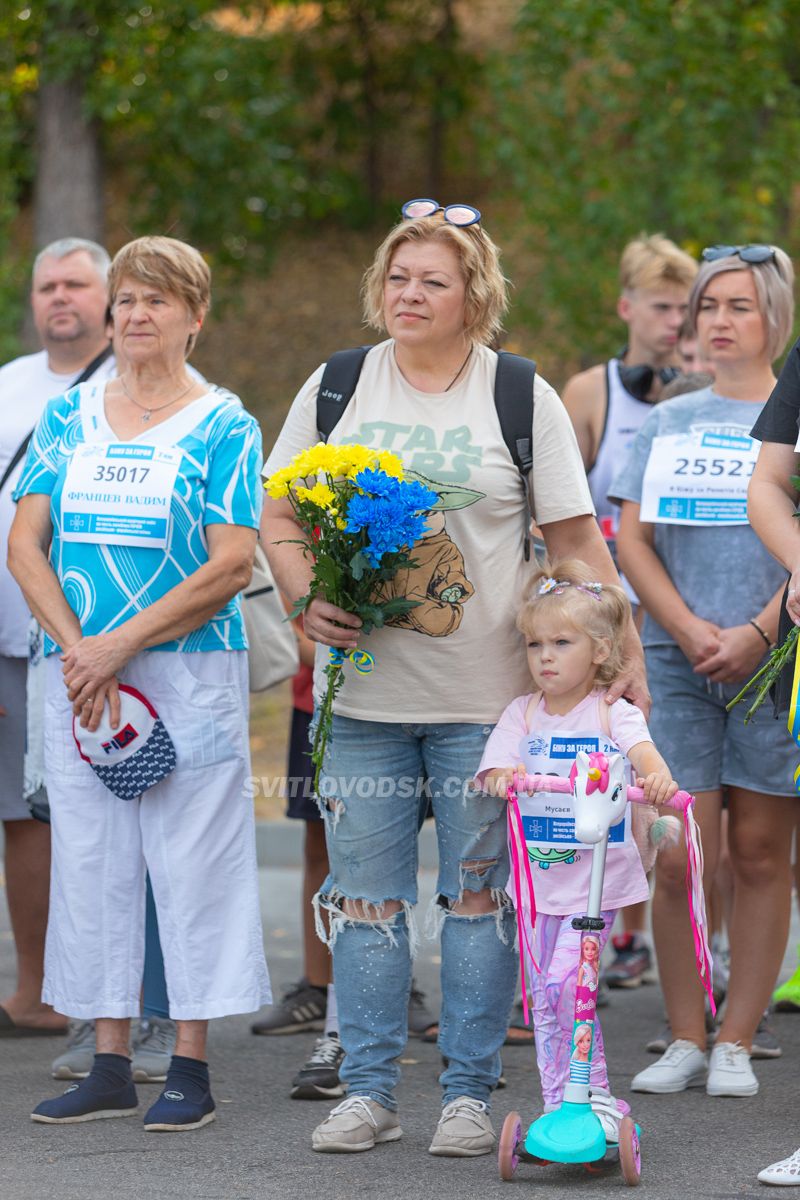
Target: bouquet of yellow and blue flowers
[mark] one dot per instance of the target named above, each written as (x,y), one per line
(360,517)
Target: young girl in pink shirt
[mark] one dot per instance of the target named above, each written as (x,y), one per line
(574,630)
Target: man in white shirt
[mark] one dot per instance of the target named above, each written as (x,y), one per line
(69,303)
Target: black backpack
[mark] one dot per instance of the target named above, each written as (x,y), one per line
(513,399)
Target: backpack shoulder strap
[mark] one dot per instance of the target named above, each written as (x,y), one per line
(19,454)
(513,399)
(339,381)
(22,448)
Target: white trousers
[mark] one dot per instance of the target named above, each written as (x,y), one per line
(194,832)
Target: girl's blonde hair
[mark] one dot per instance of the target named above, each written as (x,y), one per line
(568,590)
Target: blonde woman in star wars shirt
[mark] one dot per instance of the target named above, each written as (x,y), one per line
(440,679)
(712,594)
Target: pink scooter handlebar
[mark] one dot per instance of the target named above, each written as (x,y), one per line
(557,783)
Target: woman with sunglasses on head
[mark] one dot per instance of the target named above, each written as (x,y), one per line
(772,507)
(711,593)
(442,674)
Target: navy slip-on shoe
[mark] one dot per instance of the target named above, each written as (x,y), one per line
(85,1101)
(175,1112)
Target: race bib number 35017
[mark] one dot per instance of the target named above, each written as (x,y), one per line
(119,494)
(698,478)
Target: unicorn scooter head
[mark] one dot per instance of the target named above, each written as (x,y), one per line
(599,794)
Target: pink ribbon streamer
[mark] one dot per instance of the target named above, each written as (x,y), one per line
(697,901)
(526,914)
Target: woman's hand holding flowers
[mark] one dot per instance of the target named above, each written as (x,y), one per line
(330,625)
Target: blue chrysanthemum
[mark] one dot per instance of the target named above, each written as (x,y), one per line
(390,510)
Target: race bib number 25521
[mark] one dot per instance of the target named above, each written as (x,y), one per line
(698,478)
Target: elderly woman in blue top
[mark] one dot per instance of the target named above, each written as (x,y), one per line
(152,605)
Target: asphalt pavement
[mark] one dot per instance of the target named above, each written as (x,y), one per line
(259,1147)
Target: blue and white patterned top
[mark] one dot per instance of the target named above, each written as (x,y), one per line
(218,483)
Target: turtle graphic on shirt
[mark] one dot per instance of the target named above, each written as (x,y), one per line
(545,859)
(437,580)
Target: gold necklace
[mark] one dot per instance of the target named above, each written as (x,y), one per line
(148,412)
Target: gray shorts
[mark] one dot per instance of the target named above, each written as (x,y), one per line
(13,679)
(707,747)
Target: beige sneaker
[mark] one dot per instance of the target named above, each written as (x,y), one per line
(464,1130)
(356,1124)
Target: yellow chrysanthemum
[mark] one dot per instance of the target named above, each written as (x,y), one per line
(352,458)
(320,494)
(390,463)
(316,460)
(279,483)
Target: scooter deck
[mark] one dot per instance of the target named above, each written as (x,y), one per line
(570,1134)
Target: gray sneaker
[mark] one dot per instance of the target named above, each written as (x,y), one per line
(659,1043)
(356,1124)
(464,1130)
(302,1007)
(420,1016)
(765,1044)
(78,1059)
(153,1048)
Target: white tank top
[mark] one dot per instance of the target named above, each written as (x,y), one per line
(624,417)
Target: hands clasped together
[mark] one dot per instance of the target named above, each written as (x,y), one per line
(90,675)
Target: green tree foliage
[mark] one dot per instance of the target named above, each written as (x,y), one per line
(223,124)
(616,116)
(385,81)
(199,126)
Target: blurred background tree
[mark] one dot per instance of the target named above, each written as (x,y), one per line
(614,116)
(280,136)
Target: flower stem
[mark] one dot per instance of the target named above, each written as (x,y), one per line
(335,680)
(768,674)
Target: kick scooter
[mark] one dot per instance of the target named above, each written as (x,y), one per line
(573,1133)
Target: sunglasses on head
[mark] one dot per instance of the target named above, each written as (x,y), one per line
(455,214)
(748,254)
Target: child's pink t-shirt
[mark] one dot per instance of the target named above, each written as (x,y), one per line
(563,886)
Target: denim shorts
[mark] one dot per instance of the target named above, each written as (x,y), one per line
(707,747)
(372,790)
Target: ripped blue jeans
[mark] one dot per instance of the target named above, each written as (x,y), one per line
(371,792)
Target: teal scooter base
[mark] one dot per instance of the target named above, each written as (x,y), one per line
(569,1134)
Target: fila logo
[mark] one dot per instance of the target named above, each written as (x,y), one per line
(121,739)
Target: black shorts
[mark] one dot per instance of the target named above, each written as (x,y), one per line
(300,802)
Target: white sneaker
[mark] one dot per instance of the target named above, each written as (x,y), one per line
(681,1066)
(609,1112)
(464,1130)
(729,1071)
(356,1124)
(785,1173)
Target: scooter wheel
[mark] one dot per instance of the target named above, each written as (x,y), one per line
(630,1152)
(508,1152)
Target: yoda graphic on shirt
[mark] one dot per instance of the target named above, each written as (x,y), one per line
(438,579)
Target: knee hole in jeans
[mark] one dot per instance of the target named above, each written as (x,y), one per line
(367,910)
